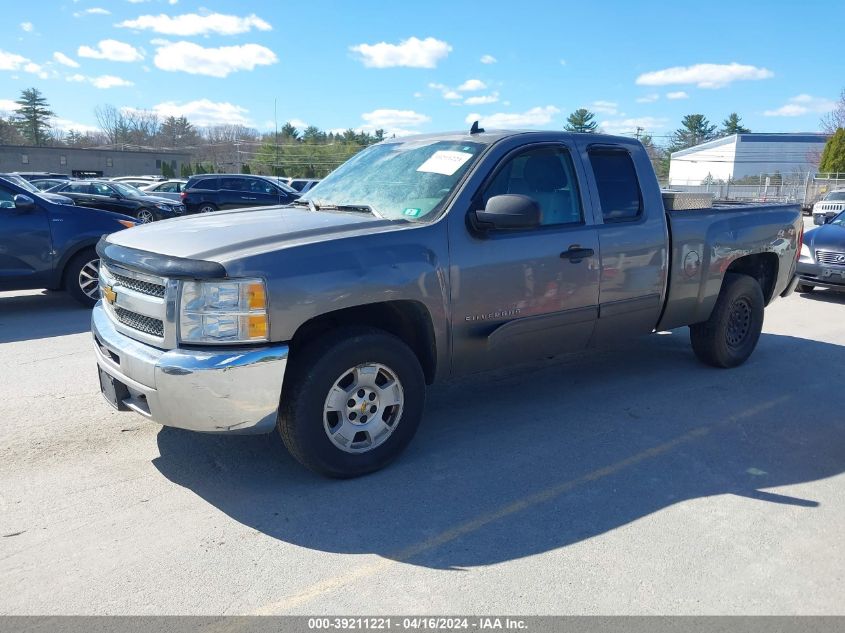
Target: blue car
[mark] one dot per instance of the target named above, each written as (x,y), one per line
(48,245)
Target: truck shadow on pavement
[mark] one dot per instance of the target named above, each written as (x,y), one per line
(514,463)
(35,316)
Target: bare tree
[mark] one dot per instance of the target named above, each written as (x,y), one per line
(835,119)
(110,121)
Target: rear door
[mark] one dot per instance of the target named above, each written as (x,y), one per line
(235,193)
(80,192)
(26,253)
(633,237)
(522,295)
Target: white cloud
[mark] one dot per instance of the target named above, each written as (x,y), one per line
(194,24)
(451,95)
(704,75)
(604,107)
(674,96)
(102,81)
(27,27)
(563,62)
(92,11)
(802,104)
(529,118)
(386,118)
(13,61)
(488,59)
(64,60)
(410,53)
(650,98)
(629,126)
(482,99)
(111,50)
(471,85)
(204,112)
(299,124)
(8,106)
(67,124)
(215,62)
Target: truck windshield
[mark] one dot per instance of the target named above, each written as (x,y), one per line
(836,195)
(403,180)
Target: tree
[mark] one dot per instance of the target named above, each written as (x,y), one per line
(581,121)
(695,129)
(245,169)
(167,170)
(833,155)
(289,133)
(9,133)
(186,171)
(177,132)
(33,116)
(657,156)
(835,119)
(733,125)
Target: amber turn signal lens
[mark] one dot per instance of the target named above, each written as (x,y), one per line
(257,326)
(127,223)
(256,297)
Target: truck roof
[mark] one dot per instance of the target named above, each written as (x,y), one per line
(492,136)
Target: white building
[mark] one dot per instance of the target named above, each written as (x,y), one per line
(747,155)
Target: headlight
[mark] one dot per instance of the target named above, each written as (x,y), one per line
(223,311)
(805,252)
(162,206)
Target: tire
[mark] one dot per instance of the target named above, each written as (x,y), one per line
(81,277)
(206,207)
(805,288)
(731,333)
(145,216)
(306,425)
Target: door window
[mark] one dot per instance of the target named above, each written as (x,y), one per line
(77,187)
(545,174)
(7,198)
(99,189)
(616,180)
(262,186)
(234,184)
(169,187)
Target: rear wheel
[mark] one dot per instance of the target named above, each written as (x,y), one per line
(731,333)
(207,208)
(805,288)
(82,277)
(352,402)
(145,216)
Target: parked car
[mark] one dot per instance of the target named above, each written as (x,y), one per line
(829,207)
(131,178)
(45,184)
(49,245)
(822,261)
(211,192)
(40,175)
(120,198)
(302,185)
(170,189)
(421,259)
(26,184)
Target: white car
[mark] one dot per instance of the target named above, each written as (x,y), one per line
(166,189)
(829,207)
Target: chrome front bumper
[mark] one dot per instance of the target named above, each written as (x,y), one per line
(215,390)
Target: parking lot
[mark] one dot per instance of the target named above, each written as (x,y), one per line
(627,481)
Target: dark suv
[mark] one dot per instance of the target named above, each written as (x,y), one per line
(120,198)
(210,192)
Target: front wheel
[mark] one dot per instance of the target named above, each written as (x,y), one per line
(731,333)
(352,402)
(207,208)
(82,277)
(145,216)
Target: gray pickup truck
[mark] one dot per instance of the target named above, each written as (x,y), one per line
(417,260)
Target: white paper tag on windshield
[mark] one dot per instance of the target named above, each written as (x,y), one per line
(444,162)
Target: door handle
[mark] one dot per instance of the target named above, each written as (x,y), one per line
(248,198)
(575,253)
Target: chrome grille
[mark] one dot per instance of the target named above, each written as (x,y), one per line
(830,258)
(138,285)
(145,324)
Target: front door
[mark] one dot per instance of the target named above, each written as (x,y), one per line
(26,258)
(522,295)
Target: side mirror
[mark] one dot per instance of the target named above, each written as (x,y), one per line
(819,219)
(509,211)
(24,203)
(116,196)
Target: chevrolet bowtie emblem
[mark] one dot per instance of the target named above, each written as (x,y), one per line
(109,294)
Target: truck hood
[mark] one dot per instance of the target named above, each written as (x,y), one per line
(226,235)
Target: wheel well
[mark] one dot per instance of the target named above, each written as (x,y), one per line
(763,267)
(410,321)
(62,278)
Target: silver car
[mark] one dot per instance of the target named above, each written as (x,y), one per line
(829,207)
(166,189)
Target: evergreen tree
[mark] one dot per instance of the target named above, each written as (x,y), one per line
(33,116)
(289,133)
(733,125)
(245,169)
(833,155)
(177,132)
(695,129)
(186,171)
(581,121)
(167,170)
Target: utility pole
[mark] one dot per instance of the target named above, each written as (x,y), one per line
(640,130)
(237,154)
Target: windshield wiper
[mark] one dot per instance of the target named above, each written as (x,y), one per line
(328,206)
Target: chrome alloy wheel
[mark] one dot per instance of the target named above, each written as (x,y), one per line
(145,216)
(363,408)
(89,279)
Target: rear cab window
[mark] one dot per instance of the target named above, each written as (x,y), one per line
(617,184)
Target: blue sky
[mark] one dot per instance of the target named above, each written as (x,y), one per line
(427,66)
